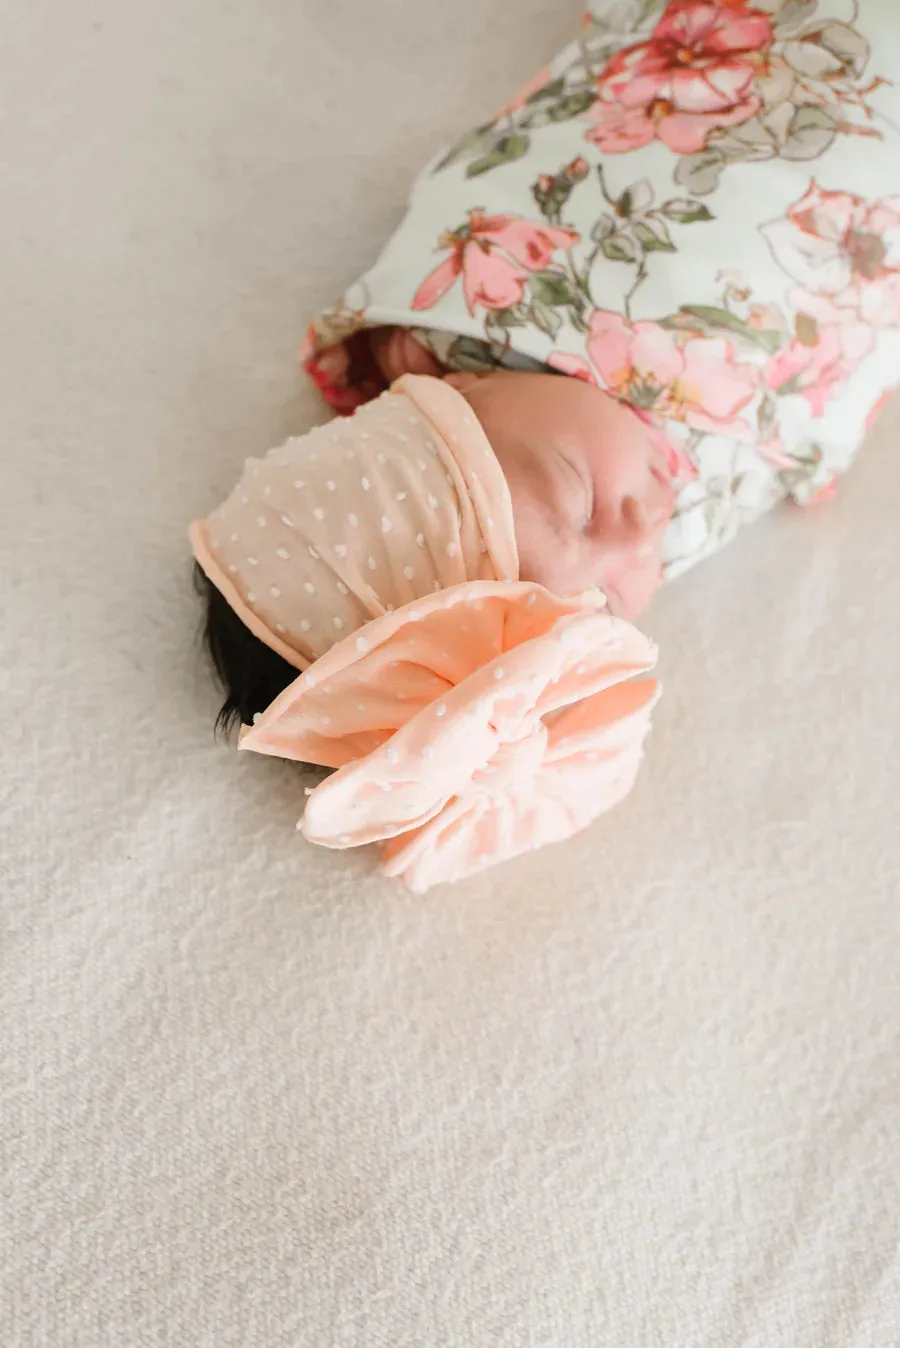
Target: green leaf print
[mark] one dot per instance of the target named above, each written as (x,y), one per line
(571,105)
(649,10)
(551,90)
(506,151)
(552,199)
(700,173)
(635,200)
(467,353)
(512,318)
(810,132)
(793,13)
(548,287)
(603,228)
(653,236)
(722,320)
(685,211)
(472,141)
(547,319)
(846,45)
(620,248)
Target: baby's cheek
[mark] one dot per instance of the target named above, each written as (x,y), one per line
(630,588)
(549,555)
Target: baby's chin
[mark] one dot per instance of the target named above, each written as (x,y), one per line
(630,590)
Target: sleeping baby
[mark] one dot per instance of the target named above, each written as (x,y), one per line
(657,294)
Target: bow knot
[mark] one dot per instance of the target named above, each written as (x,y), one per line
(514,762)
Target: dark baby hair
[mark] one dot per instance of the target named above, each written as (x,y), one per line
(251,675)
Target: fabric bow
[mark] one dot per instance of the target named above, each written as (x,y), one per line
(468,728)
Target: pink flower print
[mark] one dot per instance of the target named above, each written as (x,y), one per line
(488,278)
(697,72)
(841,248)
(578,170)
(827,492)
(618,130)
(818,361)
(814,370)
(575,366)
(533,245)
(493,254)
(329,370)
(879,405)
(698,382)
(766,318)
(774,453)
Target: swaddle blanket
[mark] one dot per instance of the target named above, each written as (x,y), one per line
(696,206)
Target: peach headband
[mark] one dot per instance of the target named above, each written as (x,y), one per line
(359,517)
(470,717)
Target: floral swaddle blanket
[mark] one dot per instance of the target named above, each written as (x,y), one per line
(696,206)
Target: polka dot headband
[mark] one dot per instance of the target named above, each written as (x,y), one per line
(360,517)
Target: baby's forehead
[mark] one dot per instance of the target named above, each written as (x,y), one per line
(552,408)
(538,394)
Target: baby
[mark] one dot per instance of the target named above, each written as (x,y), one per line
(551,413)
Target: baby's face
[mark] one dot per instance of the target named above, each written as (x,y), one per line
(591,495)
